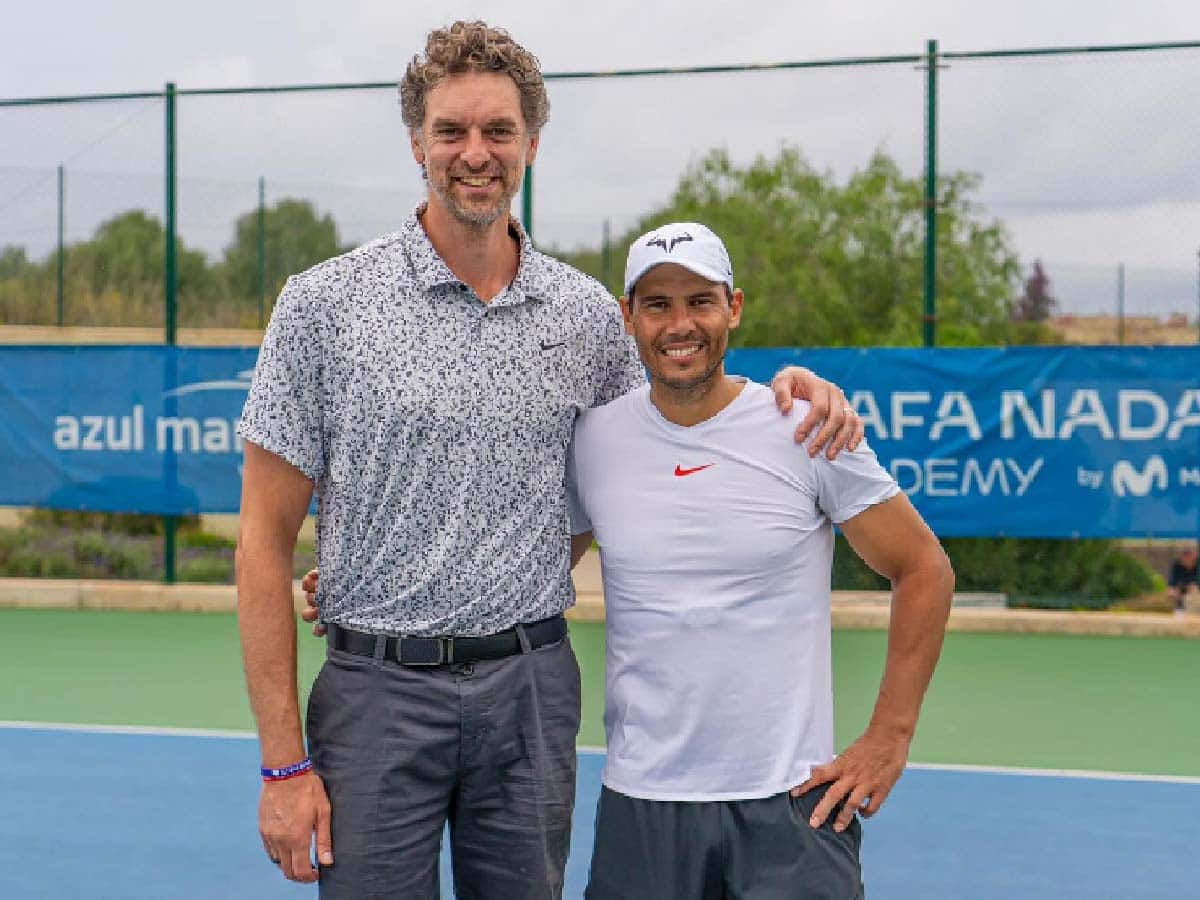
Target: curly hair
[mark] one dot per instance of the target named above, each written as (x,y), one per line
(473,47)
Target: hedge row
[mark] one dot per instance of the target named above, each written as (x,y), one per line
(1040,573)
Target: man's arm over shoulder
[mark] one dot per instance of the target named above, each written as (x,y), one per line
(893,540)
(580,544)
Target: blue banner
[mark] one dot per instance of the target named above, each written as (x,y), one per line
(123,429)
(1030,441)
(1027,441)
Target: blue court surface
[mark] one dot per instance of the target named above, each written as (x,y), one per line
(97,814)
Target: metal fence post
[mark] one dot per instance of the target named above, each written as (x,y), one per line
(1120,303)
(169,277)
(62,188)
(171,298)
(929,332)
(606,253)
(262,251)
(527,202)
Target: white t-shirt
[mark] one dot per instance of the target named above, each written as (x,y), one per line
(716,546)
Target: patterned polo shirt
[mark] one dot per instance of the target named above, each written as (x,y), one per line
(435,428)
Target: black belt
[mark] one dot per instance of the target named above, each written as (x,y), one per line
(439,651)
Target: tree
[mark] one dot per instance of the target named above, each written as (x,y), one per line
(1036,304)
(295,239)
(828,264)
(831,264)
(127,256)
(116,278)
(13,261)
(20,296)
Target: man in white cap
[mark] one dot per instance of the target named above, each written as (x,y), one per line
(716,540)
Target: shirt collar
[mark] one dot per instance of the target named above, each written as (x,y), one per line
(532,281)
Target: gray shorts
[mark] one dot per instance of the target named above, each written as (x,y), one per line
(746,849)
(487,746)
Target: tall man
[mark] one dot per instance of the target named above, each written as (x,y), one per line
(425,386)
(716,541)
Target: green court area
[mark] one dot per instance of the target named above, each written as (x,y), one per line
(1045,701)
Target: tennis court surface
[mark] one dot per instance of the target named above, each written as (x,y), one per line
(151,791)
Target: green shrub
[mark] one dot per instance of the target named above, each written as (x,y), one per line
(11,541)
(206,569)
(1059,574)
(117,523)
(205,540)
(90,548)
(852,574)
(22,563)
(130,559)
(59,564)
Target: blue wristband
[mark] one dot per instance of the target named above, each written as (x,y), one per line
(286,772)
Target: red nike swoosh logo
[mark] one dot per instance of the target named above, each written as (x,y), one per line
(681,471)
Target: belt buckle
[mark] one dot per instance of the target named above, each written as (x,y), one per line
(417,654)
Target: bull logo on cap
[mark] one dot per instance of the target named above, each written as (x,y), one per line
(667,248)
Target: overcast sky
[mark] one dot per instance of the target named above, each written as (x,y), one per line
(1089,161)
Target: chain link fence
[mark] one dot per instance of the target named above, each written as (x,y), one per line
(1085,160)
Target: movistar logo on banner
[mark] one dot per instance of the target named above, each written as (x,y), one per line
(1128,479)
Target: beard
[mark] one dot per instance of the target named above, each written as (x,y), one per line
(692,385)
(476,217)
(696,384)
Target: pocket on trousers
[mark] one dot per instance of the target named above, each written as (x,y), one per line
(559,684)
(806,804)
(337,667)
(311,712)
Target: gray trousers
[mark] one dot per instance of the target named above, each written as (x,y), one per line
(722,850)
(488,746)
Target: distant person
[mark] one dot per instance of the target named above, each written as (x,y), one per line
(1182,579)
(716,541)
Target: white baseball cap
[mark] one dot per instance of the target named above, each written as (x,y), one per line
(688,244)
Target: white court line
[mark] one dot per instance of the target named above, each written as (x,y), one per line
(153,730)
(1057,773)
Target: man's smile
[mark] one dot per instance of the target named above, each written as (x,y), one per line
(683,352)
(477,181)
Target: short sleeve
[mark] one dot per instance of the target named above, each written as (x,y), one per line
(580,522)
(621,365)
(851,483)
(283,410)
